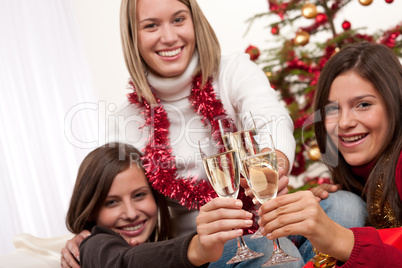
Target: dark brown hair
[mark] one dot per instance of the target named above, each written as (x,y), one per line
(94,179)
(381,67)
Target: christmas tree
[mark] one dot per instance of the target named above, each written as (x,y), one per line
(293,67)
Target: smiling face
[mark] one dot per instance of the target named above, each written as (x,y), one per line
(166,38)
(356,118)
(129,208)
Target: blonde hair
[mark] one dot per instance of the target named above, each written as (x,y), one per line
(207,45)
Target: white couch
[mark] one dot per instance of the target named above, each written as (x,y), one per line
(34,252)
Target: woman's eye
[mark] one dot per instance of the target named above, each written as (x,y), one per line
(150,26)
(364,105)
(109,203)
(139,195)
(331,109)
(178,19)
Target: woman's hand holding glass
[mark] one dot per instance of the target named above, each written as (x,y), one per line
(223,171)
(219,220)
(260,165)
(300,213)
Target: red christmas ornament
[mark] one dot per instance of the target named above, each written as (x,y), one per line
(321,17)
(389,1)
(275,30)
(279,9)
(335,6)
(254,52)
(346,25)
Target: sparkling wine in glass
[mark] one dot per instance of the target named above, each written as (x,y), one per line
(223,171)
(238,135)
(262,176)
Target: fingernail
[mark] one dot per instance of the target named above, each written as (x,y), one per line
(262,230)
(78,258)
(255,201)
(269,235)
(239,203)
(248,222)
(249,214)
(247,192)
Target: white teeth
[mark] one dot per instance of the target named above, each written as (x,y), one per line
(351,139)
(169,53)
(132,228)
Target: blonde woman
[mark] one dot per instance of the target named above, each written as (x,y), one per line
(180,86)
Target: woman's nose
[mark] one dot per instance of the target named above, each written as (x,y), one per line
(129,211)
(346,119)
(169,34)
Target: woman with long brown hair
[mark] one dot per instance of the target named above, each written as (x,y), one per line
(358,128)
(130,222)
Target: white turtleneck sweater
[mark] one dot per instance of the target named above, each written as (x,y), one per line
(241,86)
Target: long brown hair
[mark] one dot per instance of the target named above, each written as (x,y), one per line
(207,45)
(95,176)
(379,65)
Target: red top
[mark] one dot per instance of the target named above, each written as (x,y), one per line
(369,249)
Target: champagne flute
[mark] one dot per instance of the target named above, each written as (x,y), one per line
(223,173)
(237,134)
(262,176)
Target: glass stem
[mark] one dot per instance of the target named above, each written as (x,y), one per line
(241,243)
(277,246)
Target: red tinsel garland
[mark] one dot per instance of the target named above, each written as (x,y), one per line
(158,161)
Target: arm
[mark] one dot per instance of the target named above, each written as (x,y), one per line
(216,224)
(105,248)
(244,87)
(370,251)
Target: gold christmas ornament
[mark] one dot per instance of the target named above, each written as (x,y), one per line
(309,10)
(365,2)
(314,153)
(302,38)
(336,51)
(322,260)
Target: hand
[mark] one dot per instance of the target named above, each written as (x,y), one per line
(282,185)
(70,254)
(219,220)
(322,191)
(300,214)
(283,163)
(283,182)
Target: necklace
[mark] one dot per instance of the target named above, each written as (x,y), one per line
(158,161)
(382,213)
